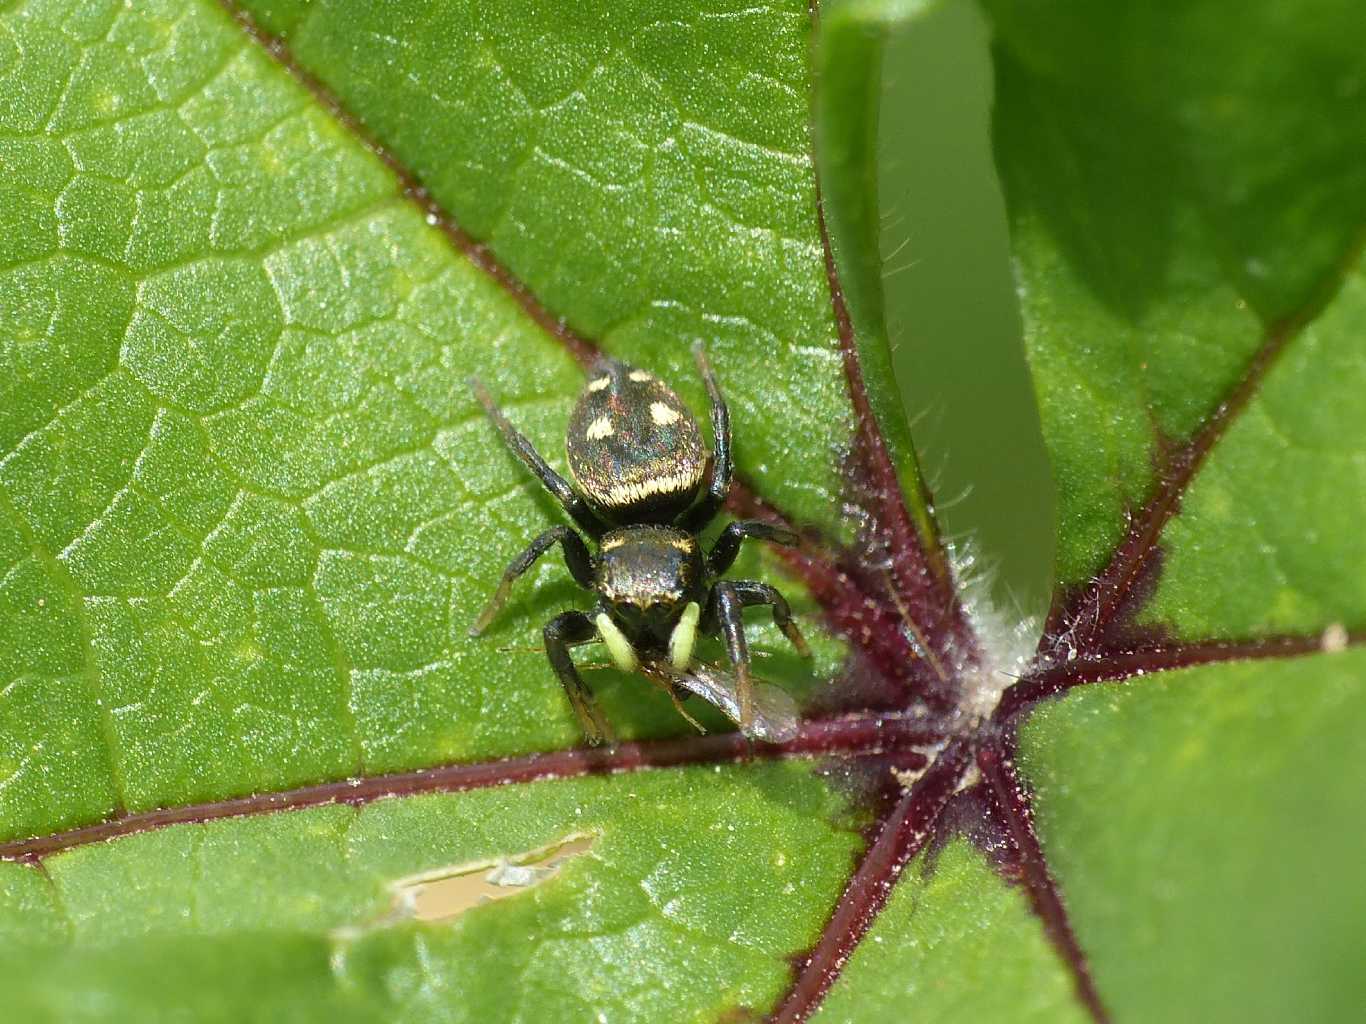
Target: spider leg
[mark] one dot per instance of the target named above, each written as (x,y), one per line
(678,706)
(728,599)
(752,592)
(727,545)
(562,632)
(722,469)
(575,556)
(558,487)
(666,682)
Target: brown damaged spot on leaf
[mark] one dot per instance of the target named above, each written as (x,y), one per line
(443,894)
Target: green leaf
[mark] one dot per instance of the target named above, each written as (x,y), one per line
(1213,870)
(249,509)
(1179,195)
(1278,506)
(1187,208)
(955,943)
(308,905)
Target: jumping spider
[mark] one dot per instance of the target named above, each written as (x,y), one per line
(646,487)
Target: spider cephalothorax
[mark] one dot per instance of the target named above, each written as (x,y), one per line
(645,487)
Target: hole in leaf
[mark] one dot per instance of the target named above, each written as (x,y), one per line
(445,893)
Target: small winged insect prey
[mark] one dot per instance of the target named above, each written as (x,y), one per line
(645,487)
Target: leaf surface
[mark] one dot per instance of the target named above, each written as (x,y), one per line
(1187,210)
(1212,869)
(956,943)
(305,902)
(249,509)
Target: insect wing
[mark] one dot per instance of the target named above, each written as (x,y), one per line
(775,712)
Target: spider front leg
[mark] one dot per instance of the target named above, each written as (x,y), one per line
(575,556)
(567,630)
(727,546)
(728,600)
(558,487)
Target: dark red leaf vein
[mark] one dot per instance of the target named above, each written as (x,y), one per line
(902,835)
(892,671)
(1011,800)
(1010,804)
(583,350)
(920,583)
(1084,623)
(858,734)
(1051,679)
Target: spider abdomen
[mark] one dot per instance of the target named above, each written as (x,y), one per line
(634,449)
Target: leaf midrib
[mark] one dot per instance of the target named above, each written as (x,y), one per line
(850,734)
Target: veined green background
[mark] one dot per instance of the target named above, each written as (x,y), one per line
(1133,848)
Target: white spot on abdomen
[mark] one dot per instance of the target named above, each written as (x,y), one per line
(600,428)
(640,376)
(662,414)
(599,384)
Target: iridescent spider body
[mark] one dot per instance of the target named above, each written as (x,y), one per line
(644,488)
